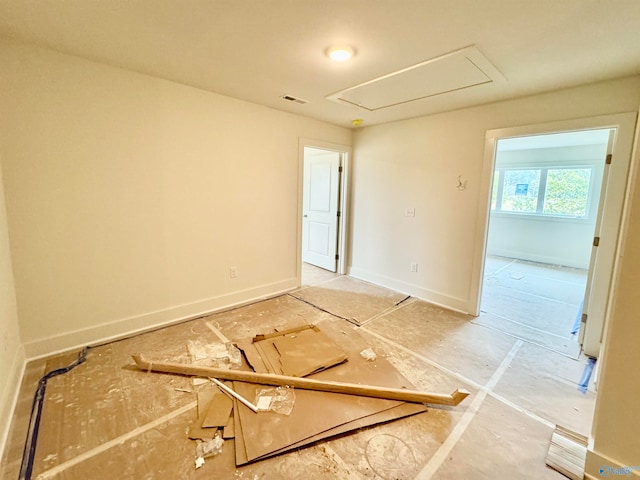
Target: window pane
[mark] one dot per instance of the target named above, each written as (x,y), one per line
(567,192)
(520,191)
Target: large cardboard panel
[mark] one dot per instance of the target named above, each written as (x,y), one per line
(295,352)
(218,411)
(319,415)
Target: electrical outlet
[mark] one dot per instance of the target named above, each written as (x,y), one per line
(410,212)
(414,267)
(233,272)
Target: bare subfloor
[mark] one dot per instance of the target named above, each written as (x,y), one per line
(105,420)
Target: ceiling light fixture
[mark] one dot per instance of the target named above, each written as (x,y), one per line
(340,54)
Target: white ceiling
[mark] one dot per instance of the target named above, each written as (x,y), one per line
(258,50)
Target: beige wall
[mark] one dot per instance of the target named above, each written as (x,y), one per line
(130,197)
(415,164)
(617,418)
(11,352)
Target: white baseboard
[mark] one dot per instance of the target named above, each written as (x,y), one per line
(126,327)
(539,258)
(597,461)
(437,298)
(9,396)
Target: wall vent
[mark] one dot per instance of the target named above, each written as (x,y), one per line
(291,98)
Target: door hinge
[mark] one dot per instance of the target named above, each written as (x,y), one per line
(338,214)
(596,241)
(337,257)
(340,169)
(584,318)
(609,159)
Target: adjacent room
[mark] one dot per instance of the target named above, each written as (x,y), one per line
(545,206)
(283,239)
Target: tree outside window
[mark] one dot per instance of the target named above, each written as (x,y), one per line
(567,192)
(555,191)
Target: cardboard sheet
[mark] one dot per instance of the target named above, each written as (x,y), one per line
(313,413)
(196,431)
(395,413)
(307,352)
(229,431)
(319,415)
(296,352)
(218,411)
(243,457)
(252,356)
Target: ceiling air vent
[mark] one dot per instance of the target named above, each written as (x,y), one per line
(291,98)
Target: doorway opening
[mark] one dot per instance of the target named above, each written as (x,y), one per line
(323,202)
(547,284)
(522,187)
(544,213)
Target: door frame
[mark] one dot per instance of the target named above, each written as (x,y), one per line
(624,123)
(343,195)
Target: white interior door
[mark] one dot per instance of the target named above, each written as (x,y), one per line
(602,258)
(321,190)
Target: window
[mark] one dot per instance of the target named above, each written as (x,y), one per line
(553,191)
(567,192)
(520,191)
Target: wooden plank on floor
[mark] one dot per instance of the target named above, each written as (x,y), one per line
(567,453)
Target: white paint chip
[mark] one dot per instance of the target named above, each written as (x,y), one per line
(264,403)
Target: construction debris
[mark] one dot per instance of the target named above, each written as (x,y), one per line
(240,398)
(218,412)
(279,400)
(567,453)
(281,420)
(295,352)
(401,394)
(368,354)
(205,397)
(207,449)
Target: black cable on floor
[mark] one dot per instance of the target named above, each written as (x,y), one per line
(29,453)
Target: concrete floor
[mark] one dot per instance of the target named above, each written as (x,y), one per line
(104,420)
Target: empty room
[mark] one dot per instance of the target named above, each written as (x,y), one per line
(279,239)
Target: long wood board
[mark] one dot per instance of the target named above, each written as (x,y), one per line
(400,394)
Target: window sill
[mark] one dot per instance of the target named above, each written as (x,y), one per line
(540,218)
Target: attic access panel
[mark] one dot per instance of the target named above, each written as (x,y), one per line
(458,70)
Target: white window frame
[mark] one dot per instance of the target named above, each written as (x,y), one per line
(542,187)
